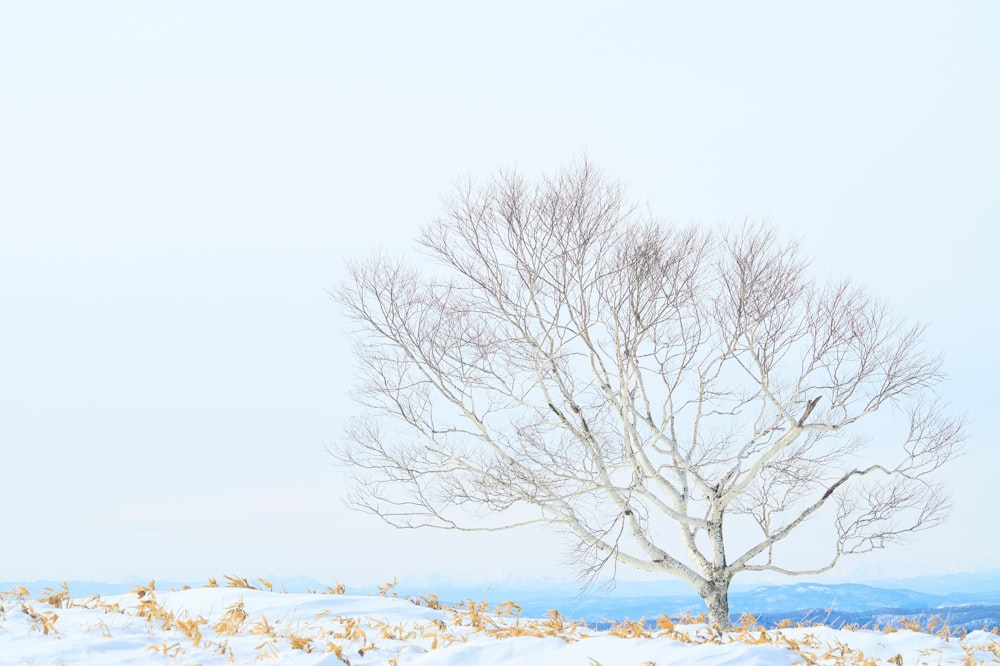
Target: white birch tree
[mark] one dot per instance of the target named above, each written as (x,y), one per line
(675,400)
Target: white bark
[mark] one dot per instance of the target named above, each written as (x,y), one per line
(612,376)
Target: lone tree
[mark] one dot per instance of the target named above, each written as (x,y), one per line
(675,400)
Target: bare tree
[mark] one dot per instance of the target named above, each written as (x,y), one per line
(675,400)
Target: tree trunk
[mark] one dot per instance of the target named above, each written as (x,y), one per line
(716,596)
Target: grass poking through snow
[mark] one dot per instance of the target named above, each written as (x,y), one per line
(240,621)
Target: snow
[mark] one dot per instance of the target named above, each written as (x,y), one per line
(221,625)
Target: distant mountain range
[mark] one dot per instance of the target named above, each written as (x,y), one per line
(831,604)
(975,604)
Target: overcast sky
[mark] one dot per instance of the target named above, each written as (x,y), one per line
(180,183)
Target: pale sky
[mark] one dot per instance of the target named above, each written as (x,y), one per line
(180,183)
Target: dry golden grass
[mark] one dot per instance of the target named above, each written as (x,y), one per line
(232,621)
(58,599)
(44,622)
(341,636)
(383,590)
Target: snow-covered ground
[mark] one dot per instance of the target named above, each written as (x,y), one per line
(243,625)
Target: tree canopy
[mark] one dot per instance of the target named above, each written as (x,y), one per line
(675,399)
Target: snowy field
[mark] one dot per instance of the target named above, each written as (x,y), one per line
(245,622)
